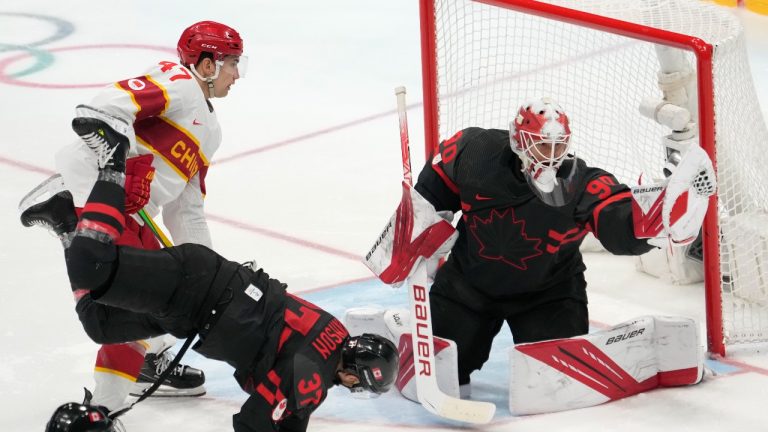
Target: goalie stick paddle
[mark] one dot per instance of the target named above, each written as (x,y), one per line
(430,395)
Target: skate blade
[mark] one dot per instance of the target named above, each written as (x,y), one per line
(42,192)
(167,391)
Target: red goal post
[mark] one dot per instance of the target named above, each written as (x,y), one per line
(481,59)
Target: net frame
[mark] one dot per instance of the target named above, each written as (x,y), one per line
(703,50)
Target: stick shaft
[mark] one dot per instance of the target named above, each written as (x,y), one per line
(422,338)
(405,147)
(155,228)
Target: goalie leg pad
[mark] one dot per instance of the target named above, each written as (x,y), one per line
(446,363)
(394,324)
(630,358)
(366,320)
(679,354)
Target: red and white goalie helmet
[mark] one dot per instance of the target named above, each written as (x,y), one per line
(208,36)
(541,136)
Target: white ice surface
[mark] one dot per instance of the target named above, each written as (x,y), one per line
(308,175)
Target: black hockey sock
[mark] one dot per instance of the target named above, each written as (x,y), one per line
(103,215)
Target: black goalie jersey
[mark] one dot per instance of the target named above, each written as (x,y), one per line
(510,243)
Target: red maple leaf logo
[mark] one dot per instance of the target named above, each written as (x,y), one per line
(502,237)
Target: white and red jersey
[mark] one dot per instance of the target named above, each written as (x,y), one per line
(171,119)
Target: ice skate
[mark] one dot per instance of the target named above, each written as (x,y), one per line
(182,381)
(106,135)
(49,205)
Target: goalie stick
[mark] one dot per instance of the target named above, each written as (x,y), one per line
(429,394)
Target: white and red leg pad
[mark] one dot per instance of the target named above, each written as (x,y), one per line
(446,362)
(579,372)
(394,324)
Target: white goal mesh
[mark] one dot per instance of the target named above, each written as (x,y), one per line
(490,59)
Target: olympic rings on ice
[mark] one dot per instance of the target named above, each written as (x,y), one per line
(44,58)
(63,28)
(5,78)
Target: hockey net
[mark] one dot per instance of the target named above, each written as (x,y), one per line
(598,59)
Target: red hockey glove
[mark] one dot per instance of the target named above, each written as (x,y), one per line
(139,173)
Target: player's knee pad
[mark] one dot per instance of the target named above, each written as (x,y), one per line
(90,263)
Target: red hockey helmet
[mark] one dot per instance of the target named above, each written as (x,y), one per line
(208,36)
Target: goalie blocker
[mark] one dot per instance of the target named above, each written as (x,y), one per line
(416,231)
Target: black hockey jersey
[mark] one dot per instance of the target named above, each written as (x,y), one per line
(304,368)
(285,350)
(510,242)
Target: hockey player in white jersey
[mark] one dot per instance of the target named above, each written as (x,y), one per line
(173,130)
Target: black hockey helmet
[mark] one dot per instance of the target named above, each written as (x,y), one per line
(76,417)
(374,359)
(82,417)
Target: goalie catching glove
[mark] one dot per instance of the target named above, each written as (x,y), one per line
(675,208)
(416,231)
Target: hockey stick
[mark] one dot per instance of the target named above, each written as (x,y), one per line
(430,395)
(155,228)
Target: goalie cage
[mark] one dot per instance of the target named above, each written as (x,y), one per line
(598,59)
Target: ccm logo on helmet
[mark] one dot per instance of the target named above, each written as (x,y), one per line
(625,336)
(208,46)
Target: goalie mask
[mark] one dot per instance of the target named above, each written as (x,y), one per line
(540,136)
(375,361)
